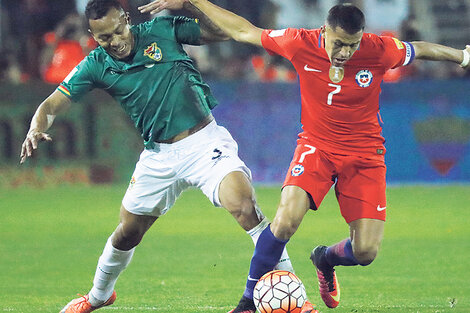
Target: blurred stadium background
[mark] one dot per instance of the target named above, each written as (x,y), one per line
(424,106)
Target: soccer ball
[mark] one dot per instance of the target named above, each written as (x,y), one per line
(279,292)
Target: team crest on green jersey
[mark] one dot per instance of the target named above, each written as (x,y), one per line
(153,52)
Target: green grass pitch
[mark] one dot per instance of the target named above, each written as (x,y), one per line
(196,258)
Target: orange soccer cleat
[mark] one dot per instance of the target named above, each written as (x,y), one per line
(327,282)
(82,305)
(308,307)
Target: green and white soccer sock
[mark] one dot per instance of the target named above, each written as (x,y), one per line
(110,264)
(284,263)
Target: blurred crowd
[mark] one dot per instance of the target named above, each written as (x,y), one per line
(45,39)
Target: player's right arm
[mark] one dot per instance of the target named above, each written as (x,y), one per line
(42,120)
(234,26)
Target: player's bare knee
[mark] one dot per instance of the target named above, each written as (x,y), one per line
(127,237)
(365,254)
(283,228)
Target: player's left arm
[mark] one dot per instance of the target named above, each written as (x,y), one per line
(210,32)
(435,52)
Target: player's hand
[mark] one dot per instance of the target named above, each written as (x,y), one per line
(31,143)
(160,5)
(467,48)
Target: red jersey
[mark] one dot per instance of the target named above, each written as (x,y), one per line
(342,117)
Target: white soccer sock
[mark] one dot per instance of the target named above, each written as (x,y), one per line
(257,230)
(284,263)
(110,264)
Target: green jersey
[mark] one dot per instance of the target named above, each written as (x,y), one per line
(158,85)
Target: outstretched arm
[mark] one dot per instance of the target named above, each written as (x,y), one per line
(236,27)
(42,120)
(436,52)
(212,16)
(209,31)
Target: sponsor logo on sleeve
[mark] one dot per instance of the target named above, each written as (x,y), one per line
(399,44)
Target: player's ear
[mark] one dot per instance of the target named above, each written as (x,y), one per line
(91,33)
(322,30)
(128,18)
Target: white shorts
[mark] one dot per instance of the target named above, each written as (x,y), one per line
(201,160)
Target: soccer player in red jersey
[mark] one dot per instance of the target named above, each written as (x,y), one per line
(340,70)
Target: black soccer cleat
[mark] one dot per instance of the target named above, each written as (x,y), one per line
(327,281)
(244,306)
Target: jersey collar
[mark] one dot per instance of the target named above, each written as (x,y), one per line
(321,42)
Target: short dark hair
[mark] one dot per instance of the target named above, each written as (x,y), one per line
(347,16)
(96,9)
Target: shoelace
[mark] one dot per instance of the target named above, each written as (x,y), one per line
(83,300)
(82,296)
(328,276)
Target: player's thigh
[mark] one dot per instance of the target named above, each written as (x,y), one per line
(154,186)
(293,205)
(367,232)
(219,172)
(360,190)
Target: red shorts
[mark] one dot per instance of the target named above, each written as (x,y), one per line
(360,182)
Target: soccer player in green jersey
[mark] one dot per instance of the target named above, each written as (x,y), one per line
(146,70)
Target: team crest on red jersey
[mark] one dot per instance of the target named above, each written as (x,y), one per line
(153,52)
(364,78)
